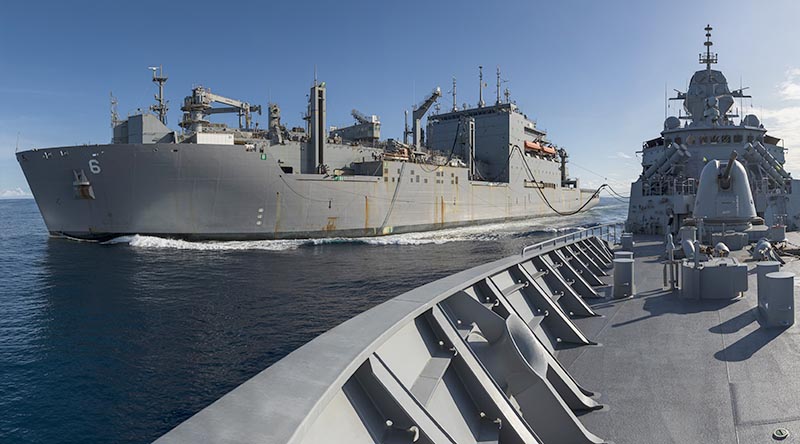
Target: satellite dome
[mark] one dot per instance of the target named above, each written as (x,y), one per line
(751,120)
(671,123)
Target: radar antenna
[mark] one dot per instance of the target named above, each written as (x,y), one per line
(161,105)
(114,113)
(481,103)
(500,81)
(708,58)
(455,104)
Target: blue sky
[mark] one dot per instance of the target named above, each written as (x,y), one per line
(592,73)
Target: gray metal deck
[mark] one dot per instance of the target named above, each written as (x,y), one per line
(675,370)
(514,351)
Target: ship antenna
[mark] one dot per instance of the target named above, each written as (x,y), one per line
(708,58)
(455,104)
(161,105)
(480,87)
(114,113)
(498,85)
(406,131)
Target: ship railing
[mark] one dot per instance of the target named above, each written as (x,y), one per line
(611,232)
(765,186)
(665,187)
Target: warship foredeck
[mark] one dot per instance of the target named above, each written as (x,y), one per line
(677,370)
(512,352)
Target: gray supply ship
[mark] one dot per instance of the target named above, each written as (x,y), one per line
(588,337)
(209,181)
(664,195)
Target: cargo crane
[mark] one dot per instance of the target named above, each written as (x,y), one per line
(363,118)
(420,111)
(198,106)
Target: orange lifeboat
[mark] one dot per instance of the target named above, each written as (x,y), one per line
(549,150)
(532,146)
(536,148)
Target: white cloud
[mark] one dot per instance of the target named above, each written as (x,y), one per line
(784,122)
(622,155)
(789,89)
(14,193)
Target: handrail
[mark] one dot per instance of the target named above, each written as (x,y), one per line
(611,233)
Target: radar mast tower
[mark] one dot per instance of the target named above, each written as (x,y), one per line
(708,58)
(481,103)
(161,106)
(455,104)
(114,113)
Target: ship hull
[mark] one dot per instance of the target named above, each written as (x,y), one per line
(224,192)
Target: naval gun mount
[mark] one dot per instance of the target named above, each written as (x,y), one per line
(724,208)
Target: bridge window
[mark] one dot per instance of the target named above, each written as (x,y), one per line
(737,138)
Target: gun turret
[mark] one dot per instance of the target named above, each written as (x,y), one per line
(725,178)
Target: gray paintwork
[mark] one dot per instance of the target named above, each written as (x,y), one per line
(664,195)
(469,358)
(443,361)
(215,182)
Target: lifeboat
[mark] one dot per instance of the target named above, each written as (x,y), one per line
(549,150)
(535,147)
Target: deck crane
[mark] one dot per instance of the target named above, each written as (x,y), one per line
(197,106)
(420,111)
(363,118)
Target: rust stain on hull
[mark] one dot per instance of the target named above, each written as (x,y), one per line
(331,225)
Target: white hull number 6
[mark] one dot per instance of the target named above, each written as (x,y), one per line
(94,166)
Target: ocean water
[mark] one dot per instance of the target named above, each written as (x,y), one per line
(120,342)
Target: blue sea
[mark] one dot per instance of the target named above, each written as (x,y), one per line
(120,342)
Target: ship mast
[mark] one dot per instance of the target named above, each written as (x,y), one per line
(455,104)
(161,105)
(708,58)
(481,103)
(497,102)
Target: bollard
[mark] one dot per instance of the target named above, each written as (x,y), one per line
(762,268)
(779,299)
(627,241)
(623,255)
(623,279)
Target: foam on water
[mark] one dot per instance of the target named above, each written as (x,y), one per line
(486,232)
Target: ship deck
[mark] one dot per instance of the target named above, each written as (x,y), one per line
(676,370)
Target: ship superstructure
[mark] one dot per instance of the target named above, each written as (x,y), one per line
(664,195)
(212,181)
